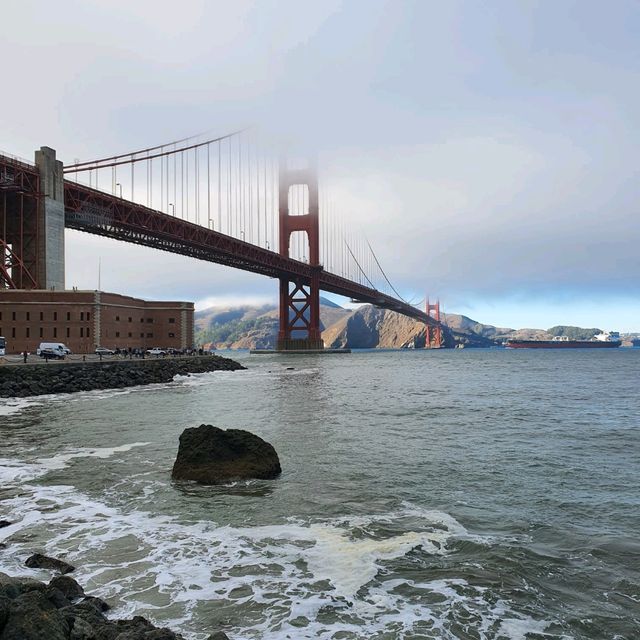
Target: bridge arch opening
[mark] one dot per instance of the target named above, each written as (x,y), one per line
(298,200)
(299,246)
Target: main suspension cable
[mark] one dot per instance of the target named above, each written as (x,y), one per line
(97,164)
(135,153)
(375,257)
(373,286)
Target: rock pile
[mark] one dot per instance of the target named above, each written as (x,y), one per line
(21,381)
(60,610)
(210,455)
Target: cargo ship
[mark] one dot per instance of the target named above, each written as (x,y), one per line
(606,340)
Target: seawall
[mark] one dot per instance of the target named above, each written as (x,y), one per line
(66,377)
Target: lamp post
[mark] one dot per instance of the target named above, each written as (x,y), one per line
(173,208)
(242,234)
(119,185)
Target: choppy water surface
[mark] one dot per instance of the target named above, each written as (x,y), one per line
(469,494)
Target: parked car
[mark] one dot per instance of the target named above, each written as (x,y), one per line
(103,351)
(157,351)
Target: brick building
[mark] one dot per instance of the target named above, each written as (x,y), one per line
(83,320)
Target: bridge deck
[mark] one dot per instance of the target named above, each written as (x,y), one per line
(100,213)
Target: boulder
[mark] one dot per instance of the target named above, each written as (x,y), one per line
(68,586)
(56,597)
(87,613)
(82,630)
(12,587)
(40,561)
(32,610)
(33,617)
(98,603)
(5,523)
(210,455)
(5,605)
(139,628)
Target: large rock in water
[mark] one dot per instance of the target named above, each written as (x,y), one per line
(39,561)
(210,455)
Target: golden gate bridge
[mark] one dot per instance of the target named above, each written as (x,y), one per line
(228,200)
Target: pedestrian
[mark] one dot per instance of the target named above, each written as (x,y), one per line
(24,356)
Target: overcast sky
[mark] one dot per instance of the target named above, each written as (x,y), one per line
(489,149)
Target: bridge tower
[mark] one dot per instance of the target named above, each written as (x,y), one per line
(299,299)
(433,311)
(51,219)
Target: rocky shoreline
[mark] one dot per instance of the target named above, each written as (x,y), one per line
(60,610)
(21,381)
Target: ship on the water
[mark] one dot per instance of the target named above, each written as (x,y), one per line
(605,340)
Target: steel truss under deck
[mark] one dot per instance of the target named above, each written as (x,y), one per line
(19,224)
(96,212)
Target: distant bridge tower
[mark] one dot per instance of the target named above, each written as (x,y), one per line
(299,300)
(433,335)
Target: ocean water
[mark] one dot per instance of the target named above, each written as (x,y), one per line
(474,494)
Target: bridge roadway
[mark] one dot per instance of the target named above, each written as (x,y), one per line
(97,212)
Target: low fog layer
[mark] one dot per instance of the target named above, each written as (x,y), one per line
(488,151)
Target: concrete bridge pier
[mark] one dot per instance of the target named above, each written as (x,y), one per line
(50,220)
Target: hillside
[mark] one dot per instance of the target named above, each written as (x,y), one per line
(367,327)
(250,327)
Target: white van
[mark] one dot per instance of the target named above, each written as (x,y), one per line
(57,347)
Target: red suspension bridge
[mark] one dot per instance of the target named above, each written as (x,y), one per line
(226,200)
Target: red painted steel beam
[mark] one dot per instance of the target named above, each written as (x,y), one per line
(18,176)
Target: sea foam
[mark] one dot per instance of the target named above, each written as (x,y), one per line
(296,579)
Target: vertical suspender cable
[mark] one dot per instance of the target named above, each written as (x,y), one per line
(266,227)
(219,187)
(148,182)
(196,183)
(237,216)
(229,190)
(258,194)
(209,220)
(250,196)
(187,191)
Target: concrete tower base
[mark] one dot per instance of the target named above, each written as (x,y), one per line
(51,220)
